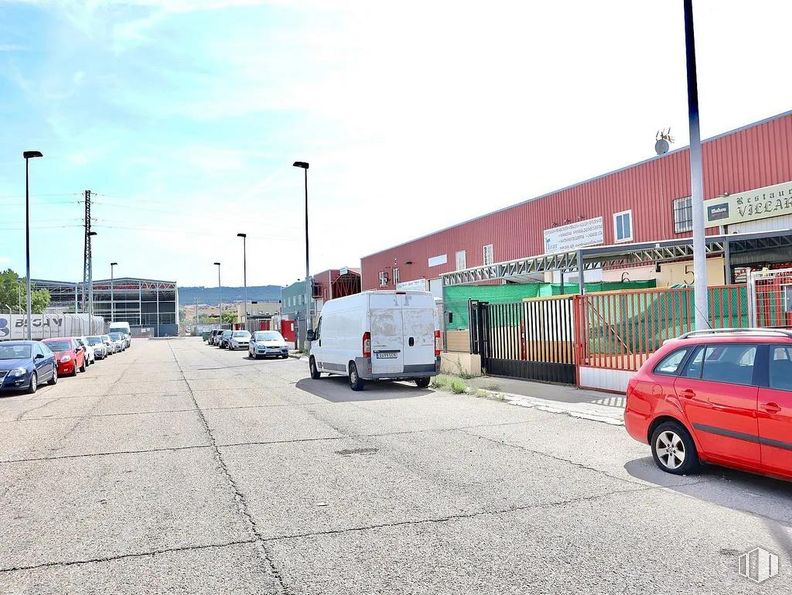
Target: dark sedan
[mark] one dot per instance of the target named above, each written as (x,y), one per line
(26,364)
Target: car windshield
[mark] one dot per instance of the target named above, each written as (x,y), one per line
(94,340)
(226,333)
(105,337)
(241,334)
(116,336)
(59,345)
(15,351)
(269,336)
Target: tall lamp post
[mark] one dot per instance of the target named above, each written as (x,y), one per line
(112,293)
(696,178)
(219,293)
(244,271)
(28,155)
(304,166)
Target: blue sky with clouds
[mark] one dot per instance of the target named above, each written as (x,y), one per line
(185,116)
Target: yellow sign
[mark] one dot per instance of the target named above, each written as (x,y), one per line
(762,203)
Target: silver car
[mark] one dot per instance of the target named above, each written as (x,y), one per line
(268,343)
(239,340)
(90,353)
(99,347)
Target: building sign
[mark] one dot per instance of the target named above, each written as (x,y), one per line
(762,203)
(416,285)
(437,260)
(564,238)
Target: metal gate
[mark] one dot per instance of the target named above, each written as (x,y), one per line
(770,298)
(533,339)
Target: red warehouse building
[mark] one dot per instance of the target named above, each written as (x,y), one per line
(747,184)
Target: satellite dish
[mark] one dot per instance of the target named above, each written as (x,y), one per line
(661,146)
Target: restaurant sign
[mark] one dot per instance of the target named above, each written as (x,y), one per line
(762,203)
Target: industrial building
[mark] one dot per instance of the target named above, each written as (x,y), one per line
(747,187)
(149,306)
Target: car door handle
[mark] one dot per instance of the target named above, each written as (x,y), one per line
(771,407)
(689,393)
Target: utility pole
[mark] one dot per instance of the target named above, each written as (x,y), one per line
(696,178)
(87,264)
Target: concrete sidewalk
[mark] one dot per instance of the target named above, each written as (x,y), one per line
(556,398)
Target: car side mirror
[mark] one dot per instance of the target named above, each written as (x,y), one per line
(39,356)
(310,335)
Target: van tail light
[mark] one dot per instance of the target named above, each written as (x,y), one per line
(438,344)
(366,344)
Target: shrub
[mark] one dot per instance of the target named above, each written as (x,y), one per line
(457,386)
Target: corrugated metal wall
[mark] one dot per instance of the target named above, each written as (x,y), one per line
(752,157)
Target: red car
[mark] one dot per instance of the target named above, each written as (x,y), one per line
(721,396)
(69,355)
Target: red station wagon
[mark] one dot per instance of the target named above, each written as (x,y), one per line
(722,396)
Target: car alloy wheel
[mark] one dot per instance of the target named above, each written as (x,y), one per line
(673,449)
(670,449)
(54,379)
(33,384)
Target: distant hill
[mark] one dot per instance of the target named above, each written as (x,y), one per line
(209,295)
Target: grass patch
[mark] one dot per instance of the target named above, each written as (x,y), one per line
(458,386)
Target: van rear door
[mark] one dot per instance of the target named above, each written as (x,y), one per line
(387,333)
(419,332)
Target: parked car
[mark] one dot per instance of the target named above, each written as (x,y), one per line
(214,338)
(26,364)
(239,340)
(118,339)
(377,335)
(205,336)
(90,354)
(109,344)
(99,347)
(222,341)
(721,396)
(69,356)
(128,339)
(268,343)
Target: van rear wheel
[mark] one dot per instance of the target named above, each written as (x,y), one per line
(422,382)
(355,381)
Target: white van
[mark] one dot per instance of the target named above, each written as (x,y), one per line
(122,327)
(377,335)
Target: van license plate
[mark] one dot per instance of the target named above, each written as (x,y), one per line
(387,355)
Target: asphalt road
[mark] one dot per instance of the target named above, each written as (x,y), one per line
(176,467)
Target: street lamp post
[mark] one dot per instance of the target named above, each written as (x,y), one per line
(112,293)
(219,293)
(304,166)
(696,178)
(244,271)
(28,155)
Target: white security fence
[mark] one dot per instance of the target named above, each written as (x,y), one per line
(13,327)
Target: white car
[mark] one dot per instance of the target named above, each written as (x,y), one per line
(90,353)
(98,345)
(377,335)
(268,343)
(239,340)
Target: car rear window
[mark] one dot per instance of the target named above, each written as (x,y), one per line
(670,364)
(781,368)
(723,362)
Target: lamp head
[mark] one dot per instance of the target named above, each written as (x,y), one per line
(302,164)
(241,235)
(31,154)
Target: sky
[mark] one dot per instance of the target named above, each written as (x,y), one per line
(184,118)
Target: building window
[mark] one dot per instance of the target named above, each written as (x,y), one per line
(683,214)
(461,260)
(396,277)
(383,278)
(489,256)
(623,227)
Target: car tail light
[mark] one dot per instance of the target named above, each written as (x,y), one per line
(438,344)
(366,344)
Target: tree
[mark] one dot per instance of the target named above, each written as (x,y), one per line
(229,317)
(13,294)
